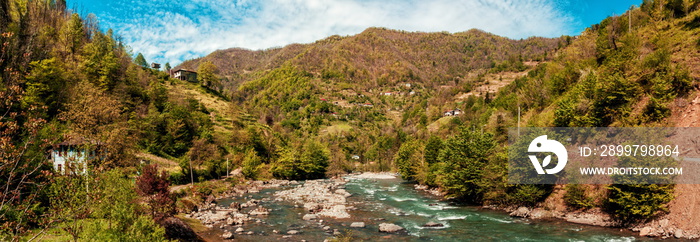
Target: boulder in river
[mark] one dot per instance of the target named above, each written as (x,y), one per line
(227,235)
(357,224)
(343,192)
(310,216)
(389,228)
(240,230)
(433,225)
(522,212)
(335,211)
(293,232)
(260,211)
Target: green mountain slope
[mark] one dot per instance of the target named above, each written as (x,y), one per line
(375,101)
(372,85)
(375,98)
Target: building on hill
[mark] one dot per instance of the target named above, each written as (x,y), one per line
(72,157)
(184,74)
(155,65)
(455,112)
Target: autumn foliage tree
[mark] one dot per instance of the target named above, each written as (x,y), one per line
(154,188)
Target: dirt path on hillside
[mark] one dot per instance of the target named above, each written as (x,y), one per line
(683,218)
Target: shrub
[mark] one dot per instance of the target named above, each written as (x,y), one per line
(528,194)
(251,165)
(656,111)
(634,203)
(631,202)
(576,197)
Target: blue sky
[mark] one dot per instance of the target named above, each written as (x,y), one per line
(177,30)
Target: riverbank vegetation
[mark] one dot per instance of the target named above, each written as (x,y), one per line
(434,107)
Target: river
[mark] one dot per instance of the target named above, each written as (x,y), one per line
(394,201)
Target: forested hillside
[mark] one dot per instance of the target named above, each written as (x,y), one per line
(66,83)
(377,99)
(432,106)
(362,96)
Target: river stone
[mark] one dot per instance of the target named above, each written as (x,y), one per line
(357,224)
(227,235)
(678,233)
(311,206)
(343,192)
(239,230)
(218,216)
(539,213)
(310,216)
(389,228)
(433,225)
(335,211)
(250,233)
(522,212)
(260,211)
(327,228)
(230,221)
(645,231)
(293,232)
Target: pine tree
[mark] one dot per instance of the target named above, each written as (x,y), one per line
(141,61)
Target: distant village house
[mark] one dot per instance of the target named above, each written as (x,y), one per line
(185,75)
(455,112)
(155,65)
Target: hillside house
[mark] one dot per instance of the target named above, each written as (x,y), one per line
(72,157)
(185,75)
(455,112)
(155,65)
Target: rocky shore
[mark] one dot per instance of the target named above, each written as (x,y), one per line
(320,198)
(658,228)
(327,200)
(212,215)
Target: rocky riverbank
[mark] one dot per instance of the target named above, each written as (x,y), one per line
(214,216)
(320,209)
(553,209)
(320,198)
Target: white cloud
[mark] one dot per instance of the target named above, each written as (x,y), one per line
(179,30)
